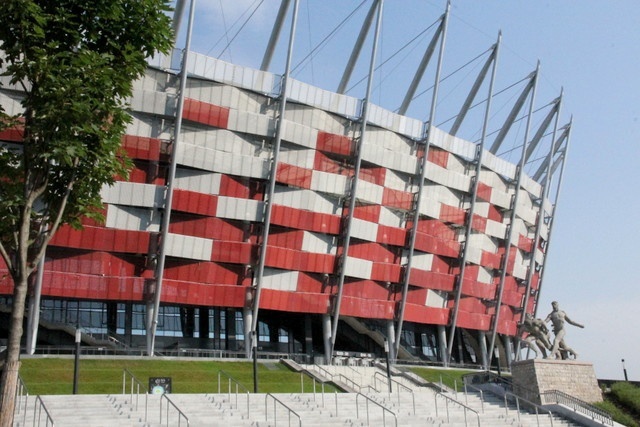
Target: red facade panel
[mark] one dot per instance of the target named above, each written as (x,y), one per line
(452,214)
(294,176)
(434,245)
(298,302)
(192,202)
(373,252)
(370,213)
(430,315)
(480,322)
(207,227)
(432,280)
(102,239)
(438,156)
(367,308)
(139,147)
(484,192)
(391,235)
(208,114)
(397,199)
(12,134)
(232,252)
(478,289)
(333,143)
(384,272)
(305,220)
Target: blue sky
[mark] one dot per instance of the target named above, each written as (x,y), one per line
(590,48)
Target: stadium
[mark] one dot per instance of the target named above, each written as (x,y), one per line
(264,212)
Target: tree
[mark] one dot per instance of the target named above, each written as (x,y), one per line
(73,64)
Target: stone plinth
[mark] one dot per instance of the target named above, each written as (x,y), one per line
(535,376)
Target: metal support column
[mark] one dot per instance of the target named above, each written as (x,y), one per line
(474,195)
(34,310)
(540,219)
(154,307)
(513,114)
(512,217)
(275,35)
(354,182)
(418,195)
(255,301)
(562,159)
(357,48)
(426,58)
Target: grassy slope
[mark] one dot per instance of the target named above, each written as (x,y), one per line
(100,376)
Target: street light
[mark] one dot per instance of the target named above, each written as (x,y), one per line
(76,364)
(624,369)
(386,352)
(254,348)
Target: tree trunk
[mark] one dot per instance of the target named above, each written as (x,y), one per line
(9,380)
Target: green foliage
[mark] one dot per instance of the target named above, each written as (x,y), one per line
(618,415)
(99,376)
(627,394)
(74,63)
(452,378)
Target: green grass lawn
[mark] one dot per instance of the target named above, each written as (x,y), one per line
(452,378)
(103,376)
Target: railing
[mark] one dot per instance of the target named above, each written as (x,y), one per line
(536,407)
(474,388)
(275,412)
(237,386)
(170,404)
(384,409)
(134,381)
(38,408)
(559,397)
(21,391)
(448,399)
(310,374)
(398,385)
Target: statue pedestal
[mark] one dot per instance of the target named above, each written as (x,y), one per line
(576,378)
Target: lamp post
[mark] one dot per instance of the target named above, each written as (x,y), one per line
(386,352)
(76,364)
(254,345)
(624,369)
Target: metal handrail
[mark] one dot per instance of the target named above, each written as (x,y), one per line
(21,391)
(518,399)
(577,405)
(237,384)
(39,408)
(398,386)
(138,386)
(275,418)
(384,409)
(475,389)
(448,399)
(180,413)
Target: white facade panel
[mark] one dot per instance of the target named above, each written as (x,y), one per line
(299,134)
(447,178)
(496,229)
(388,140)
(391,218)
(223,140)
(531,186)
(481,208)
(484,242)
(369,192)
(356,267)
(442,194)
(218,161)
(181,246)
(501,199)
(399,181)
(198,181)
(525,209)
(133,194)
(493,180)
(485,276)
(130,218)
(315,118)
(329,183)
(280,280)
(474,255)
(498,165)
(421,261)
(304,93)
(306,200)
(451,143)
(364,230)
(241,209)
(300,158)
(10,104)
(318,243)
(254,124)
(236,75)
(223,96)
(430,207)
(437,299)
(159,103)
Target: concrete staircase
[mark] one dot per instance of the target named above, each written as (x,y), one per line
(368,404)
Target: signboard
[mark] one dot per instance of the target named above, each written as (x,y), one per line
(159,385)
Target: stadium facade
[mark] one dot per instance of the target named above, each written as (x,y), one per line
(321,225)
